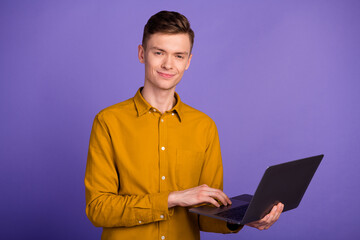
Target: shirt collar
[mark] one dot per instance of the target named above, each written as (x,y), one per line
(142,106)
(178,107)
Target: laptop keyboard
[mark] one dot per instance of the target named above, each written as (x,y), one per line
(234,213)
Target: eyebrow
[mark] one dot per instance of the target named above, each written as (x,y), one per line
(185,53)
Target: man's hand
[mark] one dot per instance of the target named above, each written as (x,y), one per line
(197,195)
(269,219)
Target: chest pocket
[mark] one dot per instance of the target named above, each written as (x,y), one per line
(188,168)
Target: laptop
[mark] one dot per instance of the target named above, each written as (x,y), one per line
(285,183)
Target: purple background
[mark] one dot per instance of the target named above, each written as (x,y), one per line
(280,79)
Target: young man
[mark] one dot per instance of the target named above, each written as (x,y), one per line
(152,156)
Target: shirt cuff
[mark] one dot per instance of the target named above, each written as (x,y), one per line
(159,202)
(234,227)
(209,224)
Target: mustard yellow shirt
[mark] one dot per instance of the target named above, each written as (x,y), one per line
(137,156)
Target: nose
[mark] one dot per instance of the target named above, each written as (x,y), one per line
(167,63)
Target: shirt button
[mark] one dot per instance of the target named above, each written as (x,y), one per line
(161,216)
(154,109)
(162,120)
(140,222)
(163,177)
(173,114)
(163,148)
(162,237)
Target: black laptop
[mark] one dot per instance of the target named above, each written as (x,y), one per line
(285,183)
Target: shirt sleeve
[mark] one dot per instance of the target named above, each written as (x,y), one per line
(104,206)
(212,175)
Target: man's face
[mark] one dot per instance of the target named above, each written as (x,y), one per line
(166,58)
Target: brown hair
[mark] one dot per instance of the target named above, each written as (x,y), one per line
(167,22)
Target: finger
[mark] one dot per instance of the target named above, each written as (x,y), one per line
(267,227)
(253,224)
(213,202)
(280,208)
(262,228)
(260,224)
(276,215)
(227,199)
(279,211)
(264,221)
(219,195)
(272,214)
(219,198)
(206,197)
(268,220)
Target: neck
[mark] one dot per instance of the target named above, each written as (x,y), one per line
(163,100)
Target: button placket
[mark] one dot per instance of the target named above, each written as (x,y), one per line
(163,152)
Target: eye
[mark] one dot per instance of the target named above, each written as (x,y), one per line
(158,53)
(180,56)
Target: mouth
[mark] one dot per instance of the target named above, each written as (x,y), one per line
(166,75)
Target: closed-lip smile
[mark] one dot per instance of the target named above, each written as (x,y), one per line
(166,75)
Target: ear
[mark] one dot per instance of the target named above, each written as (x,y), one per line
(141,54)
(188,62)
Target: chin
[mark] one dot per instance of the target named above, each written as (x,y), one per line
(166,84)
(167,87)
